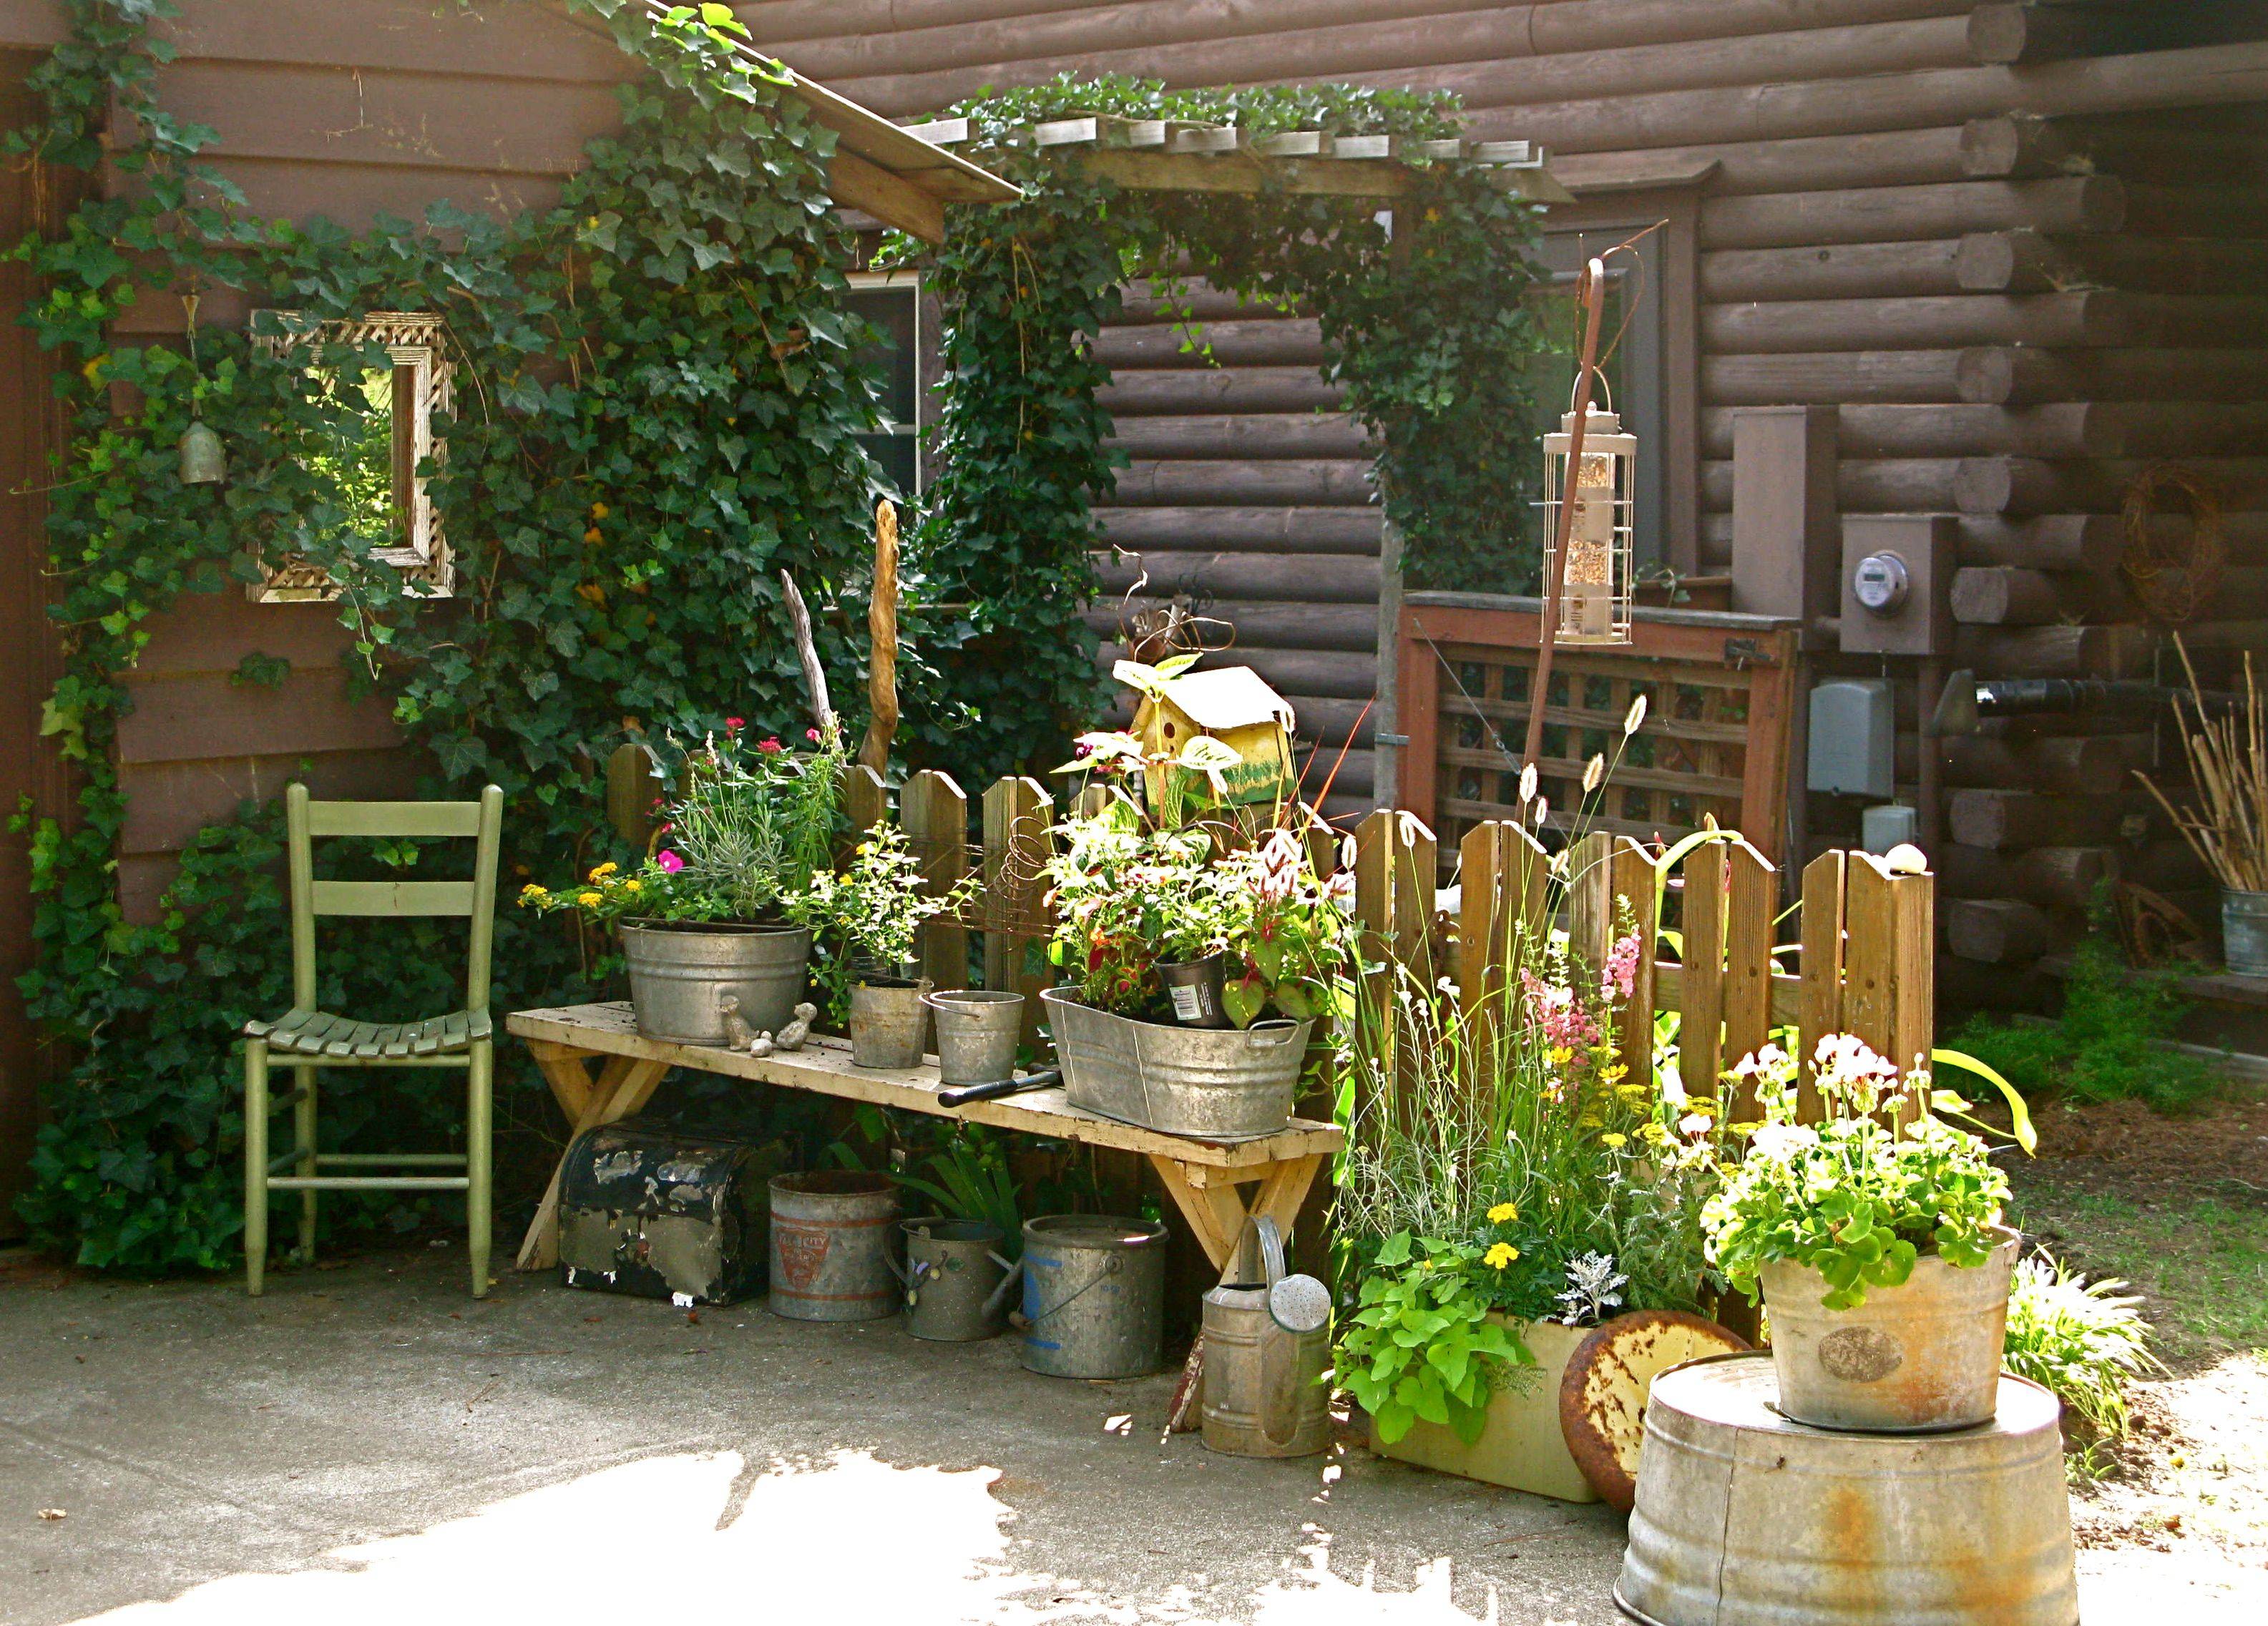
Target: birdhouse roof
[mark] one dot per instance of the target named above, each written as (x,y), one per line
(1231,697)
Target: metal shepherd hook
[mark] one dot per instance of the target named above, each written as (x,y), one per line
(1590,290)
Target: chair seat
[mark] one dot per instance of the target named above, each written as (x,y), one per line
(318,1032)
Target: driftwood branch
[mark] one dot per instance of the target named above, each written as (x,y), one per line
(814,678)
(883,644)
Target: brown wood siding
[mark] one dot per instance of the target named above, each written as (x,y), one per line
(2021,283)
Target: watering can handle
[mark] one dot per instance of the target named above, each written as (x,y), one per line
(1000,1294)
(1260,1226)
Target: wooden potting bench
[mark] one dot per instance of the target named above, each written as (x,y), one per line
(1205,1177)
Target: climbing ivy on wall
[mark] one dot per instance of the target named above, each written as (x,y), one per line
(1430,337)
(657,393)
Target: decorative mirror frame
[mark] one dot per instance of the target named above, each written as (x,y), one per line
(414,340)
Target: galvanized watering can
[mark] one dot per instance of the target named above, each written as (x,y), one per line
(956,1282)
(1267,1339)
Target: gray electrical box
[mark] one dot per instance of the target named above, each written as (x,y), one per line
(1891,824)
(1853,737)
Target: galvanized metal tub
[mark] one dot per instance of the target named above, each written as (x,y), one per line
(1094,1296)
(831,1234)
(978,1029)
(957,1280)
(1746,1518)
(1225,1085)
(1915,1359)
(2245,933)
(679,974)
(888,1024)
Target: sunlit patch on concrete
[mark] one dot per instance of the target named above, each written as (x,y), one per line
(1317,1595)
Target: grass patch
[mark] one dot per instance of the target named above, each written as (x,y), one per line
(2201,1265)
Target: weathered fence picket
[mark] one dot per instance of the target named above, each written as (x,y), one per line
(1018,816)
(933,811)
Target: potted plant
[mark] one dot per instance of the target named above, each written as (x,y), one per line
(872,915)
(705,918)
(1132,898)
(1512,1170)
(1878,1250)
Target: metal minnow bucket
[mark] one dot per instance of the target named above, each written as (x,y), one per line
(831,1246)
(976,1033)
(956,1281)
(1094,1296)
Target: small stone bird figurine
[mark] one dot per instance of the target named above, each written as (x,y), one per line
(761,1046)
(737,1034)
(791,1036)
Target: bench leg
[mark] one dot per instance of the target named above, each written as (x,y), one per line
(255,1165)
(1210,1201)
(303,1125)
(479,1127)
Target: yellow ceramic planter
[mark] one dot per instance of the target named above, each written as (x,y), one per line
(1521,1447)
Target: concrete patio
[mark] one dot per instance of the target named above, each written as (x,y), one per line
(367,1443)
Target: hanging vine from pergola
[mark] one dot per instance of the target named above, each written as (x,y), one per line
(1409,244)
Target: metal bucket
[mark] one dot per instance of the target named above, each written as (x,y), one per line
(1094,1296)
(956,1281)
(889,1023)
(976,1033)
(1913,1359)
(1746,1519)
(1228,1084)
(831,1246)
(1264,1391)
(2245,933)
(678,976)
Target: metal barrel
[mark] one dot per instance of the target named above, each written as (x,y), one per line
(676,978)
(1094,1296)
(1217,1085)
(831,1246)
(2245,933)
(978,1029)
(1913,1359)
(889,1023)
(956,1279)
(1746,1518)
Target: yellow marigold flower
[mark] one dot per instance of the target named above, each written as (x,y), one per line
(532,890)
(597,511)
(589,899)
(1500,1254)
(1612,1073)
(1617,1142)
(603,871)
(632,887)
(1501,1213)
(1561,1055)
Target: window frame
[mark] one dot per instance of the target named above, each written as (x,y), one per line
(928,367)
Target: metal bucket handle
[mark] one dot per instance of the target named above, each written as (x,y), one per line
(1271,1036)
(1111,1265)
(959,1009)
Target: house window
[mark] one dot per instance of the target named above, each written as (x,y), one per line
(892,303)
(377,457)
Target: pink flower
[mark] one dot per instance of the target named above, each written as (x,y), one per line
(670,862)
(733,725)
(811,734)
(769,747)
(1622,965)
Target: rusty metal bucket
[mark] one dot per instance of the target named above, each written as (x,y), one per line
(1094,1296)
(831,1246)
(1913,1359)
(1746,1519)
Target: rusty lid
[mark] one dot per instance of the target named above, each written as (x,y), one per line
(1602,1397)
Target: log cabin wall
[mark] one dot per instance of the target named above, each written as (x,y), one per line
(2016,251)
(346,109)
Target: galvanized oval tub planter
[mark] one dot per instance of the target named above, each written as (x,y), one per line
(1916,1358)
(682,971)
(1745,1516)
(1219,1084)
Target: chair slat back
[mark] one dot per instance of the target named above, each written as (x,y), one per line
(305,819)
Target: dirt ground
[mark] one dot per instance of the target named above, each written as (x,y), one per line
(2178,1208)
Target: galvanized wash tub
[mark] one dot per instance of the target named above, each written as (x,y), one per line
(1746,1519)
(1094,1296)
(678,973)
(831,1237)
(1920,1356)
(1217,1085)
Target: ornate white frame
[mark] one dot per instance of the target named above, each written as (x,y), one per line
(412,339)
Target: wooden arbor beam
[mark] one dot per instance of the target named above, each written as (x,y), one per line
(1243,172)
(891,199)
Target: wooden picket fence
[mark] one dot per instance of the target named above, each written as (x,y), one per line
(1861,956)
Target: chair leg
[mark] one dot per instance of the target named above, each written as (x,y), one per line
(255,1165)
(303,1121)
(479,1084)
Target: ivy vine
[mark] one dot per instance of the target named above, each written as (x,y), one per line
(1431,340)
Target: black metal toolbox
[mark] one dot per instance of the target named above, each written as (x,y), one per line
(664,1214)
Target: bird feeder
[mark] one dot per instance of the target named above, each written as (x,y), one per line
(1594,596)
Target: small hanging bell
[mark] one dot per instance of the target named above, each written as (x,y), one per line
(204,460)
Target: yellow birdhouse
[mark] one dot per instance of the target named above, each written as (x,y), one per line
(1233,706)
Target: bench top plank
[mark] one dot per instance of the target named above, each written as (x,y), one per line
(823,1065)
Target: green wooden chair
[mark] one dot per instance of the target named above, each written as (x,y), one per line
(306,1039)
